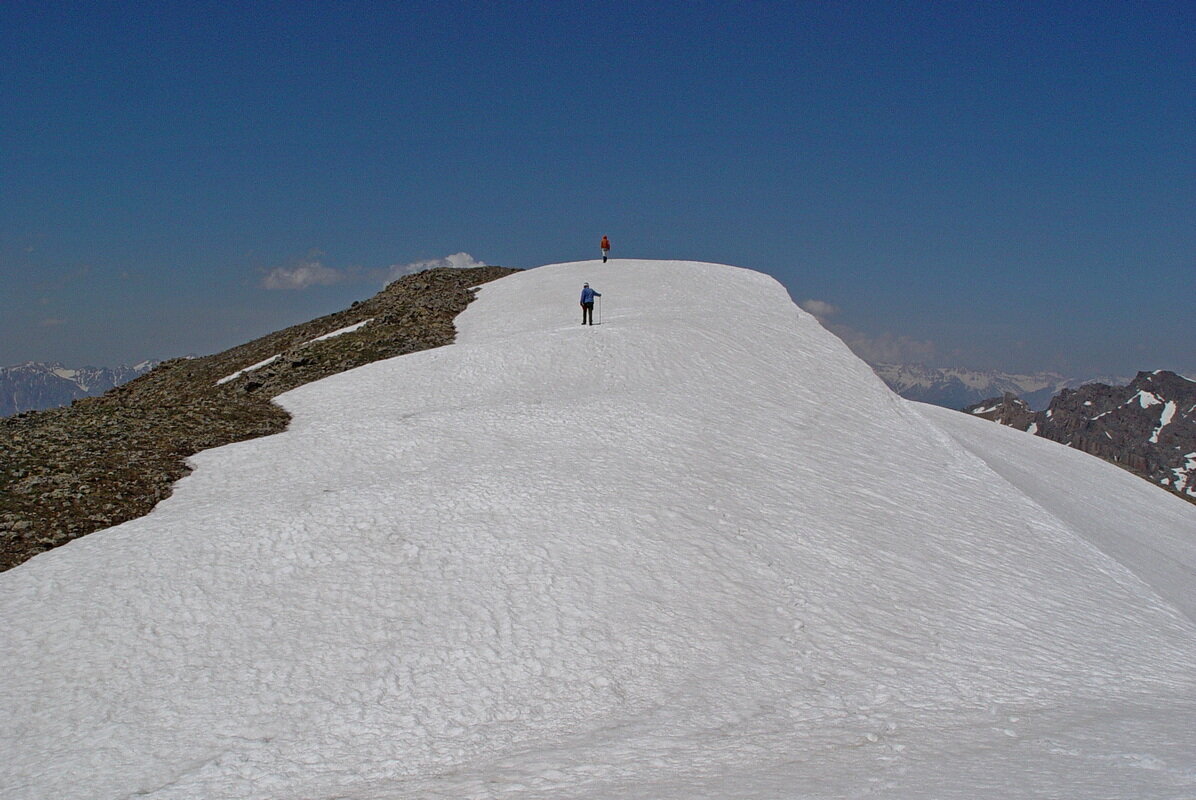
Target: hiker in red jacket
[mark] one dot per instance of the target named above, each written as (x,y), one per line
(605,248)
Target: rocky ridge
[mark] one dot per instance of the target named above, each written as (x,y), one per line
(67,472)
(1148,426)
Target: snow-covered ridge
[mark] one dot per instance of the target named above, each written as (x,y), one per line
(699,550)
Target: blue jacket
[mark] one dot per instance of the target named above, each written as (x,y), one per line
(588,295)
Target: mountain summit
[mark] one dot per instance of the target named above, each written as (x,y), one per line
(699,550)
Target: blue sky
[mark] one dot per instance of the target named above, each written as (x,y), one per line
(991,185)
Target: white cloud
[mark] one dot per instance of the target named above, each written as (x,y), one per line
(885,348)
(819,308)
(312,272)
(308,272)
(455,261)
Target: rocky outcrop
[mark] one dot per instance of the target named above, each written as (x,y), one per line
(1147,426)
(67,472)
(1009,410)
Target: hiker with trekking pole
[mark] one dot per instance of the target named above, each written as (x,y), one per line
(587,305)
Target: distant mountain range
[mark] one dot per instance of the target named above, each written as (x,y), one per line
(34,386)
(958,388)
(1147,426)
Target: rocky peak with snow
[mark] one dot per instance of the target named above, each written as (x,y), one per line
(1147,426)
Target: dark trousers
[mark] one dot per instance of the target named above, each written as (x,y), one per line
(587,313)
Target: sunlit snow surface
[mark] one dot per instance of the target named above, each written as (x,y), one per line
(698,551)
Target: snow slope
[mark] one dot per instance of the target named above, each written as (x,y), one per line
(697,551)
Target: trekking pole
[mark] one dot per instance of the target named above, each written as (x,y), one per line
(599,309)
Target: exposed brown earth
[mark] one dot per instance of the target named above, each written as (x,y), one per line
(67,472)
